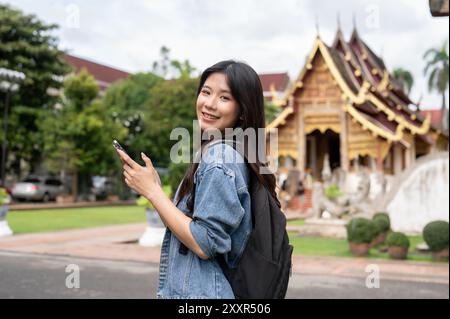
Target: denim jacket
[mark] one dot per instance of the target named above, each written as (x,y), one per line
(221,224)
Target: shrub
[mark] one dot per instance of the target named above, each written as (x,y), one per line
(398,240)
(382,224)
(333,191)
(360,230)
(435,235)
(384,216)
(4,196)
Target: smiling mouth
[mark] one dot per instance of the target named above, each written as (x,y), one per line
(209,116)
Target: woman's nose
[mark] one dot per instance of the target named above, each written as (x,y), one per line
(210,103)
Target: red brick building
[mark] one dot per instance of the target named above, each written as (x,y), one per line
(104,75)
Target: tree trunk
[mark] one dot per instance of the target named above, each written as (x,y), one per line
(84,185)
(444,119)
(75,186)
(17,168)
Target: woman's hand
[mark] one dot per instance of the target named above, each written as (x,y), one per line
(144,180)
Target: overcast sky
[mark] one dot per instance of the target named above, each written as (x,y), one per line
(272,36)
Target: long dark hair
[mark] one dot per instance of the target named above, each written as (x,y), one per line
(246,89)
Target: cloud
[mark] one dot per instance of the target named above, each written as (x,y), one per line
(269,35)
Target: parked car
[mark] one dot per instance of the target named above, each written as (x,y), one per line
(43,188)
(102,187)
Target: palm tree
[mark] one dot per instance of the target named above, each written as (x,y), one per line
(405,78)
(437,62)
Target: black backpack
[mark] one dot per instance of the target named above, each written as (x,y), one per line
(264,269)
(265,266)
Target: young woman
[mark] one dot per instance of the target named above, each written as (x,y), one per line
(211,213)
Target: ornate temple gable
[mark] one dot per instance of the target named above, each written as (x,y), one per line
(321,65)
(326,66)
(318,86)
(320,98)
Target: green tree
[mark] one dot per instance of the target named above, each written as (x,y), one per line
(172,105)
(162,66)
(183,69)
(125,102)
(171,69)
(271,112)
(437,70)
(27,45)
(405,78)
(77,137)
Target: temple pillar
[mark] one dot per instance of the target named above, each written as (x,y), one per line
(407,157)
(302,142)
(379,159)
(312,153)
(413,152)
(344,142)
(398,158)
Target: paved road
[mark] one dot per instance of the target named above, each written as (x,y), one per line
(24,275)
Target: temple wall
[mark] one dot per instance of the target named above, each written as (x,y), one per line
(421,195)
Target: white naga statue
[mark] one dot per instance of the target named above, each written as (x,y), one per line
(357,204)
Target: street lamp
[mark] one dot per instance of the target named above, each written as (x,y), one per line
(9,83)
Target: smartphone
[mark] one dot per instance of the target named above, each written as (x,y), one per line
(118,146)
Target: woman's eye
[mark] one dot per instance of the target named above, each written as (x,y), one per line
(225,98)
(205,92)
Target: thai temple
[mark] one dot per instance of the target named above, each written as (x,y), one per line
(345,106)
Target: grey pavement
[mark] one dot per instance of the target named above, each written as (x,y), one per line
(37,276)
(26,275)
(113,265)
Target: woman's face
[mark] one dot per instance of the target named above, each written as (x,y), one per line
(216,107)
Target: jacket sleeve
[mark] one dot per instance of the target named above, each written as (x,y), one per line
(217,210)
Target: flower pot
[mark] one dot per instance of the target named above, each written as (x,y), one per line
(359,249)
(3,211)
(381,238)
(62,199)
(441,255)
(397,252)
(155,231)
(4,227)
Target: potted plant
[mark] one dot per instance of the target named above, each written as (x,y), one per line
(4,201)
(382,227)
(154,233)
(435,235)
(398,245)
(360,233)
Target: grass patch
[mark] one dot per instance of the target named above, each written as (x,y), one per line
(316,246)
(35,221)
(296,222)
